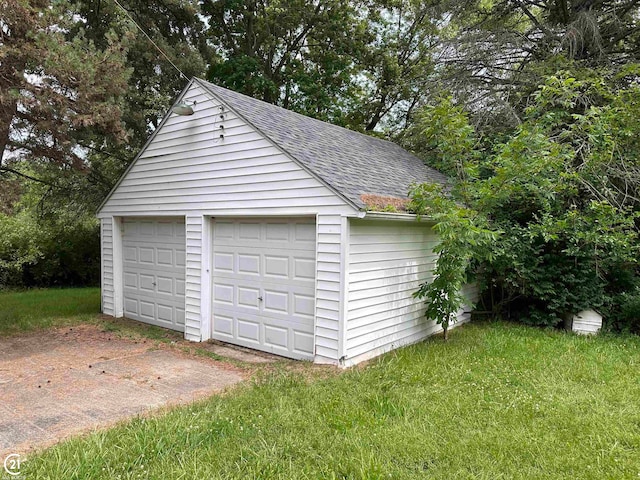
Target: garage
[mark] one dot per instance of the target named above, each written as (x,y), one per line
(246,223)
(263,284)
(153,252)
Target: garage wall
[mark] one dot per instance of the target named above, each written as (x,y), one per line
(387,262)
(188,169)
(106,266)
(193,279)
(331,232)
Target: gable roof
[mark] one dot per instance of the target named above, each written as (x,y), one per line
(351,163)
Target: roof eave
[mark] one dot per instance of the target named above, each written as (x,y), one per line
(398,217)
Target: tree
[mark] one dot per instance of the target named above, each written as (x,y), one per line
(362,64)
(397,71)
(503,50)
(58,95)
(562,190)
(464,240)
(296,54)
(176,27)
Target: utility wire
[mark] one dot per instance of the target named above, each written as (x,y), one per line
(149,38)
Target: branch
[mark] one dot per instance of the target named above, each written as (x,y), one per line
(28,177)
(533,19)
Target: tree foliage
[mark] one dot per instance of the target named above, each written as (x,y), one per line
(464,240)
(567,221)
(57,93)
(501,51)
(363,64)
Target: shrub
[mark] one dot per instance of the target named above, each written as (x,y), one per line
(37,252)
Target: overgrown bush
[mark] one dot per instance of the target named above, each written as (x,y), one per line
(626,317)
(564,192)
(44,252)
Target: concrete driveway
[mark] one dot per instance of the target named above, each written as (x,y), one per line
(60,382)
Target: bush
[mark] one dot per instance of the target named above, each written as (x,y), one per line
(62,251)
(558,188)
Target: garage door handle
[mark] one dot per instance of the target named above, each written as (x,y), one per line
(154,284)
(260,298)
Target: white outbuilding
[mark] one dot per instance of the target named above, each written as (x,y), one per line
(250,224)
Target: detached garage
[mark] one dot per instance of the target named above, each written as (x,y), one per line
(247,223)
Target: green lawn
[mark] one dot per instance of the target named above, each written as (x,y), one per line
(21,311)
(498,401)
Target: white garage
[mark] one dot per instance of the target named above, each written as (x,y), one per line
(256,226)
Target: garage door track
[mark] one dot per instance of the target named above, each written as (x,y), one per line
(63,381)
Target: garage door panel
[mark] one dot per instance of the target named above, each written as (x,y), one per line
(248,330)
(303,305)
(296,300)
(304,268)
(266,245)
(180,287)
(224,293)
(248,264)
(223,326)
(276,336)
(223,262)
(249,297)
(278,232)
(263,284)
(277,266)
(276,301)
(303,285)
(303,342)
(262,333)
(130,254)
(305,232)
(180,316)
(154,271)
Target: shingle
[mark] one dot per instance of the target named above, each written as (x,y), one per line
(351,163)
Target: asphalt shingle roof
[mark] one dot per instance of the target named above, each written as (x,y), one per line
(351,163)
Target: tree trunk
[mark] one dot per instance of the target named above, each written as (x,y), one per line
(7,112)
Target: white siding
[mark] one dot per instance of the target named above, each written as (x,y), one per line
(471,293)
(387,262)
(187,168)
(330,287)
(106,266)
(193,278)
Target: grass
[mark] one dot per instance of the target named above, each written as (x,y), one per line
(498,401)
(22,311)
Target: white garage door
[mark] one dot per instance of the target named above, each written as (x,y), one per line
(154,267)
(264,284)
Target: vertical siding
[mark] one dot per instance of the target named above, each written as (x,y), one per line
(329,287)
(187,167)
(193,285)
(387,262)
(106,266)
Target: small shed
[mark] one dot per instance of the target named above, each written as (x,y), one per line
(251,224)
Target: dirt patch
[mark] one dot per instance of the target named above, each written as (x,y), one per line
(59,382)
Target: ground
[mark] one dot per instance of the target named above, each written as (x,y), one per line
(66,380)
(497,401)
